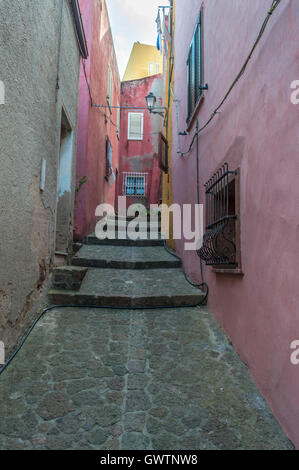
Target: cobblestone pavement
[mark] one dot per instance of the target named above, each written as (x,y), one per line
(96,379)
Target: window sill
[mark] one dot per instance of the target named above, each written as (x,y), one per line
(228,271)
(191,119)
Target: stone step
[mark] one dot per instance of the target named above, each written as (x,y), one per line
(144,227)
(130,257)
(131,288)
(141,241)
(68,277)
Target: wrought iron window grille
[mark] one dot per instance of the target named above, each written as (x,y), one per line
(219,241)
(135,184)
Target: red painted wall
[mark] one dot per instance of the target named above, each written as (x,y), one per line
(94,127)
(141,156)
(257,130)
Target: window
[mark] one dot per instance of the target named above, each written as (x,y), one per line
(134,184)
(110,87)
(118,122)
(195,68)
(135,126)
(153,68)
(221,242)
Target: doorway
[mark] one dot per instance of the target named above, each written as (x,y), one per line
(64,192)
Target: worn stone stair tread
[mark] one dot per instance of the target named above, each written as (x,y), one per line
(93,240)
(145,225)
(135,288)
(130,257)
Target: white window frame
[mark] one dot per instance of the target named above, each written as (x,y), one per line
(157,68)
(137,137)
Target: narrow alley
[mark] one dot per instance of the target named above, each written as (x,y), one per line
(149,228)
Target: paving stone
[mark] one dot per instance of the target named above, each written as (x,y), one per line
(54,405)
(97,436)
(135,441)
(136,367)
(134,422)
(117,383)
(137,400)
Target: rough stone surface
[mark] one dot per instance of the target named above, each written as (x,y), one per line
(174,383)
(131,257)
(131,288)
(30,123)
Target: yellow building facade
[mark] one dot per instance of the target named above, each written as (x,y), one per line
(144,61)
(167,189)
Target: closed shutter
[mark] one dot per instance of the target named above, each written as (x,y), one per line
(194,69)
(135,126)
(110,86)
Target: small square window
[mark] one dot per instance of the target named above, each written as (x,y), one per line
(134,184)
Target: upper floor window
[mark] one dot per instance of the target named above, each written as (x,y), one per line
(135,126)
(195,68)
(153,68)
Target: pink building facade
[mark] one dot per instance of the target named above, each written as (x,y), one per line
(139,175)
(98,132)
(256,300)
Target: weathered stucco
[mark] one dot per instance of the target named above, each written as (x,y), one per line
(142,155)
(33,55)
(96,124)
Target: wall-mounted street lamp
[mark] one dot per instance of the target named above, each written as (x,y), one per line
(151,101)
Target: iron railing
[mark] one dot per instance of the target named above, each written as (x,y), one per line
(219,241)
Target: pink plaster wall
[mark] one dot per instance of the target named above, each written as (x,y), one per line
(257,130)
(94,127)
(141,156)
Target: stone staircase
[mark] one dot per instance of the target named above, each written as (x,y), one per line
(124,273)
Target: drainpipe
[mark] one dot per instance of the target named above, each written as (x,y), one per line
(197,158)
(176,101)
(198,198)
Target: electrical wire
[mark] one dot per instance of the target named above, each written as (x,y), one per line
(199,286)
(88,86)
(274,5)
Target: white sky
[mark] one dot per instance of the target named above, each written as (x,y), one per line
(131,21)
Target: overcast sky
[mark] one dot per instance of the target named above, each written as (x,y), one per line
(131,21)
